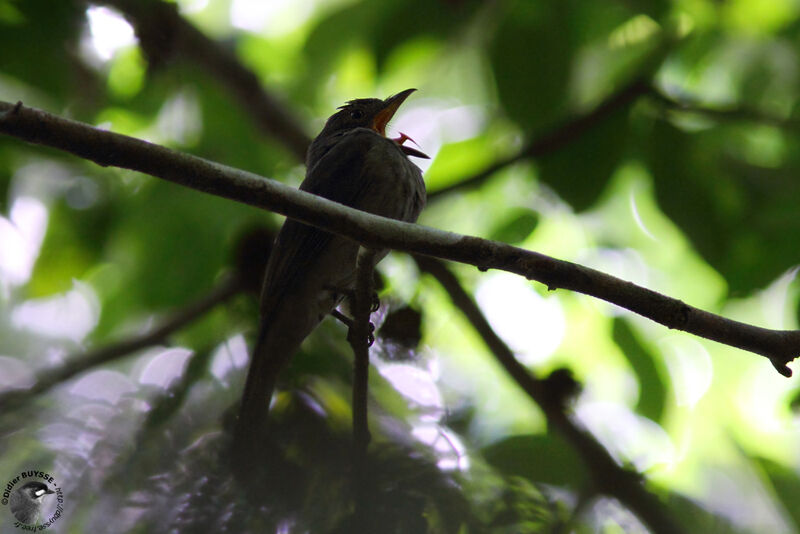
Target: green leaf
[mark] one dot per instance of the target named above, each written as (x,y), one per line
(741,218)
(652,389)
(547,459)
(52,30)
(786,484)
(516,227)
(531,59)
(580,171)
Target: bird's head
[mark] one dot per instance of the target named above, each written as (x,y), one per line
(35,491)
(372,113)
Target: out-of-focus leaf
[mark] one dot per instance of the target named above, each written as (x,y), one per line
(652,390)
(402,20)
(579,173)
(694,518)
(531,59)
(50,28)
(519,224)
(547,459)
(786,483)
(74,242)
(382,26)
(455,161)
(741,218)
(171,243)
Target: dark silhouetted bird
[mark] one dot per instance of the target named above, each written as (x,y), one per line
(309,271)
(26,502)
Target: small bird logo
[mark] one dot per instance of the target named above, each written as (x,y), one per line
(26,502)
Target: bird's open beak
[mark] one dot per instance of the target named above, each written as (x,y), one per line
(390,106)
(383,117)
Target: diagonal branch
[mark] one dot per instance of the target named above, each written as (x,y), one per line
(78,364)
(608,476)
(106,148)
(687,104)
(557,138)
(163,34)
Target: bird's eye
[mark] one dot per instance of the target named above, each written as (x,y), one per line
(357,114)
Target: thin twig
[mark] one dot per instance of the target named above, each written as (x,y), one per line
(359,340)
(80,363)
(687,104)
(607,475)
(163,34)
(557,138)
(106,148)
(358,336)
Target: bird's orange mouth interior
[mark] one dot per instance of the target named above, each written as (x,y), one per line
(384,116)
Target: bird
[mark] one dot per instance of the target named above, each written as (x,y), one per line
(26,502)
(310,271)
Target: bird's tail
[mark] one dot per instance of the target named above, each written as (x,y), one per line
(271,353)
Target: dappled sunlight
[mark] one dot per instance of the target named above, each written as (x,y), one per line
(70,315)
(532,325)
(637,217)
(689,366)
(777,301)
(762,399)
(627,435)
(69,438)
(15,374)
(109,32)
(432,123)
(615,518)
(231,355)
(633,31)
(416,384)
(446,444)
(103,385)
(180,120)
(419,385)
(21,236)
(161,366)
(741,496)
(273,18)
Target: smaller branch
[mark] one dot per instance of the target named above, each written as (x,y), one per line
(608,476)
(685,104)
(358,336)
(79,363)
(557,138)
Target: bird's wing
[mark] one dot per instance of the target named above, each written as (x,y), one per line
(340,175)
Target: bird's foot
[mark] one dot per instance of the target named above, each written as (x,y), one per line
(349,322)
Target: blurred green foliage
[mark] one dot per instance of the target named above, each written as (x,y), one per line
(691,190)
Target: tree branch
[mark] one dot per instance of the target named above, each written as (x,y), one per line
(358,335)
(557,138)
(163,34)
(106,148)
(686,104)
(607,475)
(79,363)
